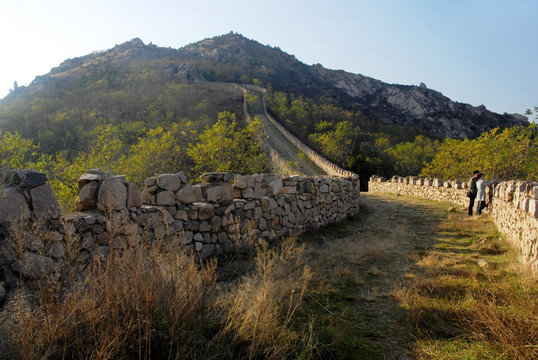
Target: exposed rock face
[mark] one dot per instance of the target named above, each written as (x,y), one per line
(418,106)
(237,57)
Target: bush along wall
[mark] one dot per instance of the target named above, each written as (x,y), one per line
(514,206)
(225,213)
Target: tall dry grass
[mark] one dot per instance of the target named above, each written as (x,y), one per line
(151,300)
(143,302)
(263,306)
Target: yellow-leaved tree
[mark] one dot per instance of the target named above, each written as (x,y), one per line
(227,147)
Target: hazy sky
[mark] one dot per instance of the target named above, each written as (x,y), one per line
(473,51)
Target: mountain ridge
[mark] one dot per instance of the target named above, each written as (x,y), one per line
(235,58)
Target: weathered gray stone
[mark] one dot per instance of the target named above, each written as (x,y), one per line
(205,210)
(28,178)
(145,197)
(32,242)
(33,266)
(213,194)
(187,237)
(56,251)
(134,198)
(150,181)
(87,198)
(12,205)
(166,198)
(227,192)
(44,202)
(88,178)
(112,195)
(216,177)
(170,182)
(8,252)
(186,195)
(207,251)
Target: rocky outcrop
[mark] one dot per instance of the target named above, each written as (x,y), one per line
(418,106)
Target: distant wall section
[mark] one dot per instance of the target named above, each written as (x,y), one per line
(514,206)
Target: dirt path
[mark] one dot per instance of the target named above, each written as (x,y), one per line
(367,258)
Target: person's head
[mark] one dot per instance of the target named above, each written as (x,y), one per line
(476,174)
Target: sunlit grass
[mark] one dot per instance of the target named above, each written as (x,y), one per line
(468,299)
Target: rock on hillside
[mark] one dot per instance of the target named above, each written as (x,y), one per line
(418,106)
(234,58)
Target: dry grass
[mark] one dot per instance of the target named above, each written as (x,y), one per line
(467,299)
(144,302)
(263,306)
(150,300)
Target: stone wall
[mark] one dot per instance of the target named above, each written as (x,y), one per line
(224,213)
(514,206)
(329,167)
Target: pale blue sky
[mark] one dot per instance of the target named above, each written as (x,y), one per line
(473,51)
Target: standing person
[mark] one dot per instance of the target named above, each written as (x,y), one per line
(481,192)
(471,193)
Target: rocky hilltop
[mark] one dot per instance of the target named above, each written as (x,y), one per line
(234,58)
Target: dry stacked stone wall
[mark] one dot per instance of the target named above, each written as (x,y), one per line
(514,206)
(224,213)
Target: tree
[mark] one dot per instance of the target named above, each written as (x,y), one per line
(226,147)
(156,153)
(409,158)
(17,152)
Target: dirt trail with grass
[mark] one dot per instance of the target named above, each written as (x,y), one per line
(367,258)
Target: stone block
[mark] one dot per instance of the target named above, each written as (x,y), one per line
(87,198)
(44,202)
(213,194)
(12,205)
(33,266)
(205,210)
(166,198)
(84,179)
(243,182)
(170,182)
(248,193)
(186,195)
(216,177)
(112,195)
(134,198)
(227,191)
(28,178)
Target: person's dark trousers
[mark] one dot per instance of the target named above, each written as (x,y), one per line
(480,207)
(471,204)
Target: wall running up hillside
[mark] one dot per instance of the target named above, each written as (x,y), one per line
(224,213)
(329,167)
(514,206)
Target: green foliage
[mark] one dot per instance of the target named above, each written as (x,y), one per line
(508,154)
(409,158)
(17,152)
(337,144)
(226,147)
(156,153)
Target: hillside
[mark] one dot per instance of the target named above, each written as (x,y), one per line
(234,58)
